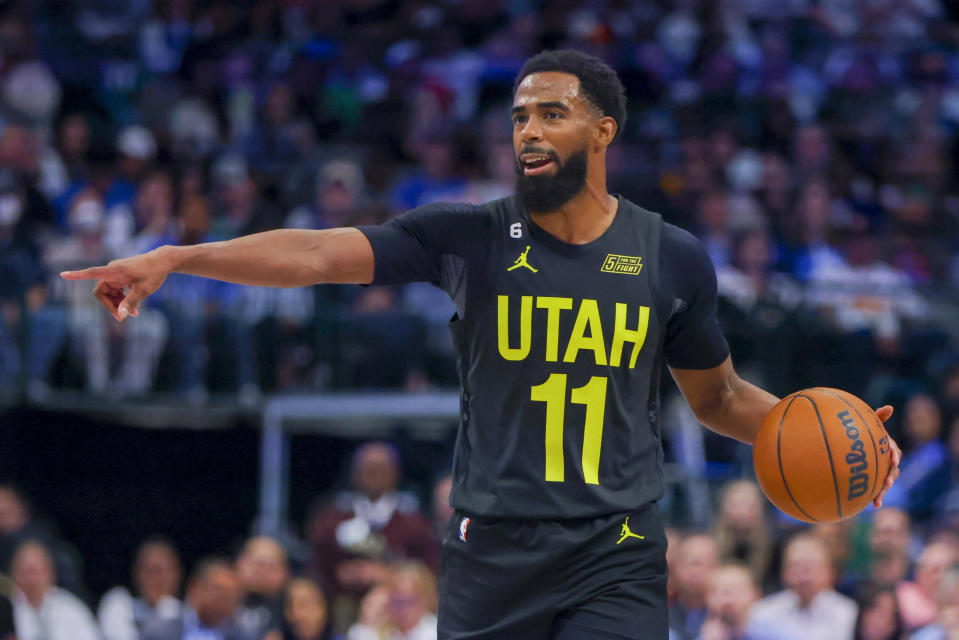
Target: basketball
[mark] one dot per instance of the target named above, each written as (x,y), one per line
(821,455)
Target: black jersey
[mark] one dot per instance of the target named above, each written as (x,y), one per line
(560,349)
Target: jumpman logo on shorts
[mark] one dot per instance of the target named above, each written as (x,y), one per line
(521,262)
(626,533)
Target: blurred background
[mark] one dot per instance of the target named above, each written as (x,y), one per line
(811,145)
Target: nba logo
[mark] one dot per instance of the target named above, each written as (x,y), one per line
(464,525)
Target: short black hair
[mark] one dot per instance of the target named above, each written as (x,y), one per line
(598,80)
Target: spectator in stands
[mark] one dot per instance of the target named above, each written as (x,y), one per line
(19,163)
(695,564)
(878,617)
(212,597)
(262,571)
(376,317)
(889,546)
(811,254)
(306,616)
(732,592)
(43,611)
(437,177)
(24,308)
(73,144)
(273,143)
(836,537)
(674,538)
(926,470)
(374,620)
(413,602)
(136,148)
(156,580)
(741,531)
(92,333)
(917,598)
(239,208)
(809,608)
(339,193)
(355,535)
(712,223)
(19,525)
(151,220)
(946,625)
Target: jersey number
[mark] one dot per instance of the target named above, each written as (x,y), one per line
(593,395)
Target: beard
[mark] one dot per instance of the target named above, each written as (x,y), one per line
(545,193)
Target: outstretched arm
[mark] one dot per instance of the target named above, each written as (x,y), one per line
(280,258)
(732,407)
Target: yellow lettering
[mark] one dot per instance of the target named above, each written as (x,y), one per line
(525,328)
(588,317)
(553,306)
(622,335)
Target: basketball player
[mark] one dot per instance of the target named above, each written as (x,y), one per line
(568,301)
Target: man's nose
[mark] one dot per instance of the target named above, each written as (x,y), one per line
(531,131)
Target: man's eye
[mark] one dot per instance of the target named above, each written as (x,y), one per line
(519,119)
(554,115)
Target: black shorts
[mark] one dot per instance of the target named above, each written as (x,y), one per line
(554,579)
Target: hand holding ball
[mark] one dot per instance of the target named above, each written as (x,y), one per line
(822,455)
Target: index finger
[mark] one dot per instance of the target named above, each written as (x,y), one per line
(92,273)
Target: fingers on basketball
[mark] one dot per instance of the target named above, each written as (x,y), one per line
(823,455)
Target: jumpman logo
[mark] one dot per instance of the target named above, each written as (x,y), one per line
(626,533)
(521,262)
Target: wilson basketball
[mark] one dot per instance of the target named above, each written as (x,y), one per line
(822,455)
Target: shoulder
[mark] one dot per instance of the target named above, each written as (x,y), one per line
(773,604)
(839,602)
(116,598)
(63,598)
(407,503)
(681,245)
(163,629)
(930,632)
(462,212)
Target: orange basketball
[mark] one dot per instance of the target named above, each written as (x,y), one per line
(822,455)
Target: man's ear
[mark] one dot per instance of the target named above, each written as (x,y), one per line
(604,132)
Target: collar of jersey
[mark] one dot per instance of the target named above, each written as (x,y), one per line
(566,248)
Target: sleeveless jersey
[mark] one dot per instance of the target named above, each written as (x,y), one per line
(560,353)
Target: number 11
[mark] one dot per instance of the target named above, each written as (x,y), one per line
(593,395)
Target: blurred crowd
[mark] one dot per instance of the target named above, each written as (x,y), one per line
(808,143)
(363,566)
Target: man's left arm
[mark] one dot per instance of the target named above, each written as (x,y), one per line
(733,407)
(698,356)
(724,402)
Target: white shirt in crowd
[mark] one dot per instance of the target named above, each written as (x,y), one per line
(122,616)
(829,616)
(425,629)
(61,616)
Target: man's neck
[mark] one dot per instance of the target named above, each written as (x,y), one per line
(36,599)
(692,601)
(584,218)
(804,603)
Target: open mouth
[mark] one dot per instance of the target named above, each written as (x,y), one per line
(534,163)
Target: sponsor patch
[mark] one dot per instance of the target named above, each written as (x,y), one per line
(629,265)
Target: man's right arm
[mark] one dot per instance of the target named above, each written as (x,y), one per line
(279,258)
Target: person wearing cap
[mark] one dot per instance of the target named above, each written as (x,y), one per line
(91,337)
(339,192)
(136,148)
